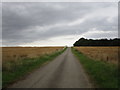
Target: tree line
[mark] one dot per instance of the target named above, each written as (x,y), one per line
(97,42)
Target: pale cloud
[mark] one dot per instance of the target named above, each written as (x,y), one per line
(60,0)
(47,24)
(100,34)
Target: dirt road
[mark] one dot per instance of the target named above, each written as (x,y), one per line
(63,72)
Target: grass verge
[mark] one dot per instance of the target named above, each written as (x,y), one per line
(17,70)
(104,75)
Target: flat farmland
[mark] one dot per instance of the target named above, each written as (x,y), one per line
(16,53)
(107,54)
(20,61)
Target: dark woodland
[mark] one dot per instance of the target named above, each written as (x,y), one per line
(97,42)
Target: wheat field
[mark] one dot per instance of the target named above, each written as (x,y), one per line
(16,53)
(107,54)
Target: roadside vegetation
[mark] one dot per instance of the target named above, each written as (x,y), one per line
(104,75)
(16,70)
(19,53)
(106,54)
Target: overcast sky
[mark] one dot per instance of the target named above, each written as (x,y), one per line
(57,24)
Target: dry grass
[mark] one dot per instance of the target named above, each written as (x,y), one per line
(107,54)
(20,61)
(16,53)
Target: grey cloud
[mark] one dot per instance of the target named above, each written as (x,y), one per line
(21,19)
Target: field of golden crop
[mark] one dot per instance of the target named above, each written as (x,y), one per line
(107,54)
(17,53)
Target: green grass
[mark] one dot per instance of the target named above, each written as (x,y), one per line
(21,68)
(105,75)
(0,78)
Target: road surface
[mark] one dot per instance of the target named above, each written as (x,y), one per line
(63,72)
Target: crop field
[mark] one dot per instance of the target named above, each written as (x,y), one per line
(19,61)
(107,54)
(16,53)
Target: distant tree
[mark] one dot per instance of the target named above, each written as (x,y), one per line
(97,42)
